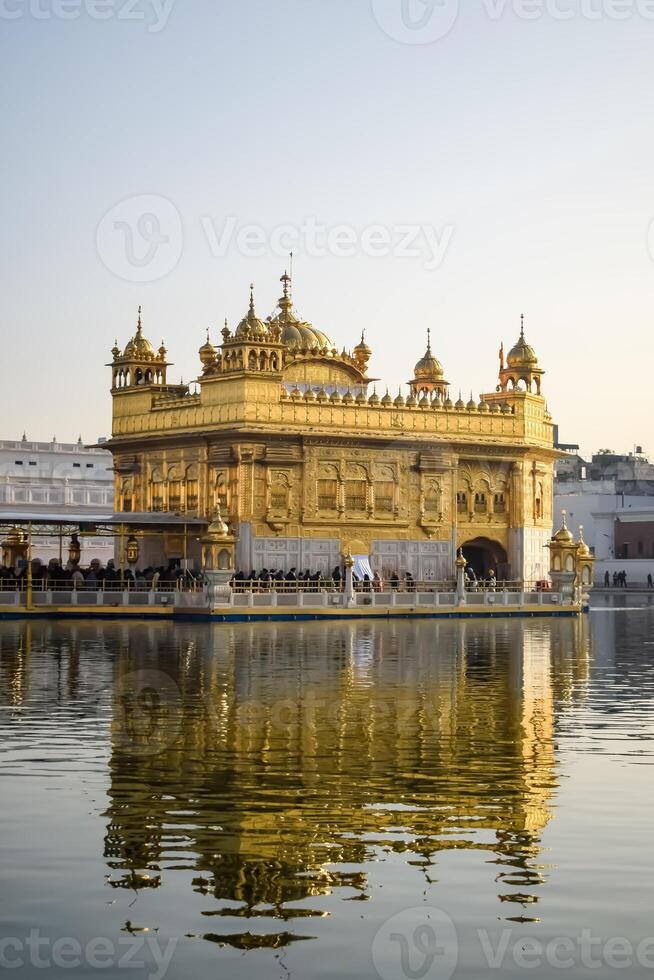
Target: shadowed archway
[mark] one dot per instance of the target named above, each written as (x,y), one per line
(484,556)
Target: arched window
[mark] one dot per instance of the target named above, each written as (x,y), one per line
(174,490)
(127,496)
(433,498)
(158,491)
(220,492)
(279,492)
(192,488)
(252,361)
(327,488)
(356,489)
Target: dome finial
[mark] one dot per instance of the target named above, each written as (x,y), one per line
(138,322)
(429,340)
(251,297)
(522,326)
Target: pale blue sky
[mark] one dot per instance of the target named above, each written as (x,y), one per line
(528,144)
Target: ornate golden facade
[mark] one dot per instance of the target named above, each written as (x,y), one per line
(289,438)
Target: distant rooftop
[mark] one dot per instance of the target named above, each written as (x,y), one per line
(53,446)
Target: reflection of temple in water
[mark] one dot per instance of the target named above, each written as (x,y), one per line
(280,753)
(275,761)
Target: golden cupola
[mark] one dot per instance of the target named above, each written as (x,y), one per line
(296,334)
(362,354)
(139,364)
(207,355)
(251,327)
(428,375)
(522,370)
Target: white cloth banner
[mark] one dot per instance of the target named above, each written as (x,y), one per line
(362,567)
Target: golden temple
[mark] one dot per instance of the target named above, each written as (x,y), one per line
(289,439)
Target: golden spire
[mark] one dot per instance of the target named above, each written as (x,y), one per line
(286,301)
(138,322)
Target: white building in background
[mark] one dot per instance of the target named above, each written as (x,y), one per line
(612,496)
(54,478)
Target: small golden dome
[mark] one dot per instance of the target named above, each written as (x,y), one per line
(374,398)
(362,353)
(399,401)
(387,400)
(348,398)
(336,398)
(428,367)
(582,548)
(460,404)
(207,352)
(139,347)
(522,355)
(563,535)
(251,325)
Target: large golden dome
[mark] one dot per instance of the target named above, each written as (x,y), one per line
(295,333)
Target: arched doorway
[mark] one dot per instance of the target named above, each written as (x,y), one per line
(484,556)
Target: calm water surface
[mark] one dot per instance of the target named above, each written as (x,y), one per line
(403,801)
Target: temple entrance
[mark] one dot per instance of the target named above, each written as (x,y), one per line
(484,556)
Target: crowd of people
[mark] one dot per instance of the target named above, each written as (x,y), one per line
(307,581)
(57,575)
(619,580)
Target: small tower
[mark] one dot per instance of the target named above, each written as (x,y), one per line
(428,375)
(521,366)
(208,356)
(362,354)
(138,365)
(253,347)
(585,563)
(571,563)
